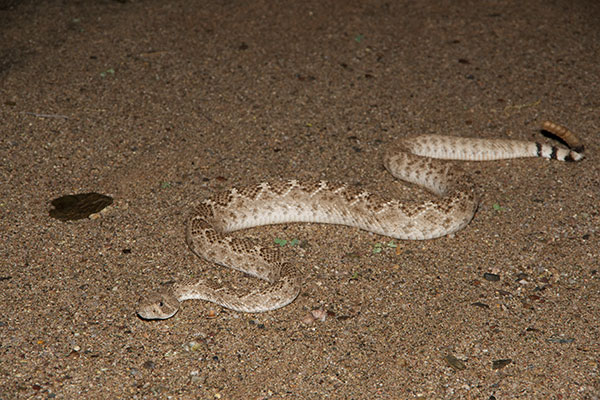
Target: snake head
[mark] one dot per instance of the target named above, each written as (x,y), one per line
(158,306)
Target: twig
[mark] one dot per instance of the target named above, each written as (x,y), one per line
(47,115)
(518,107)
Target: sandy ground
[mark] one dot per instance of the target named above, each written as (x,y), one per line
(158,103)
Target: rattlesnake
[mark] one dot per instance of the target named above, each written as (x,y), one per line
(413,160)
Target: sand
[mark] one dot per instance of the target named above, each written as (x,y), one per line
(159,103)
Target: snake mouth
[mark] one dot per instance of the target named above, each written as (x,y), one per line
(154,317)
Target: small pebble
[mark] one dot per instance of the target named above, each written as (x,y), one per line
(73,354)
(319,314)
(491,277)
(499,364)
(149,364)
(455,363)
(522,277)
(193,346)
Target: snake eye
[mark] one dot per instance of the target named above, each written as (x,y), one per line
(161,304)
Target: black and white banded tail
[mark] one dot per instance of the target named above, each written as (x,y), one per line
(478,149)
(576,147)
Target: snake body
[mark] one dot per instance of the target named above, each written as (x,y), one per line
(415,160)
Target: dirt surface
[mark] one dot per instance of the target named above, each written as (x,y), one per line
(158,103)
